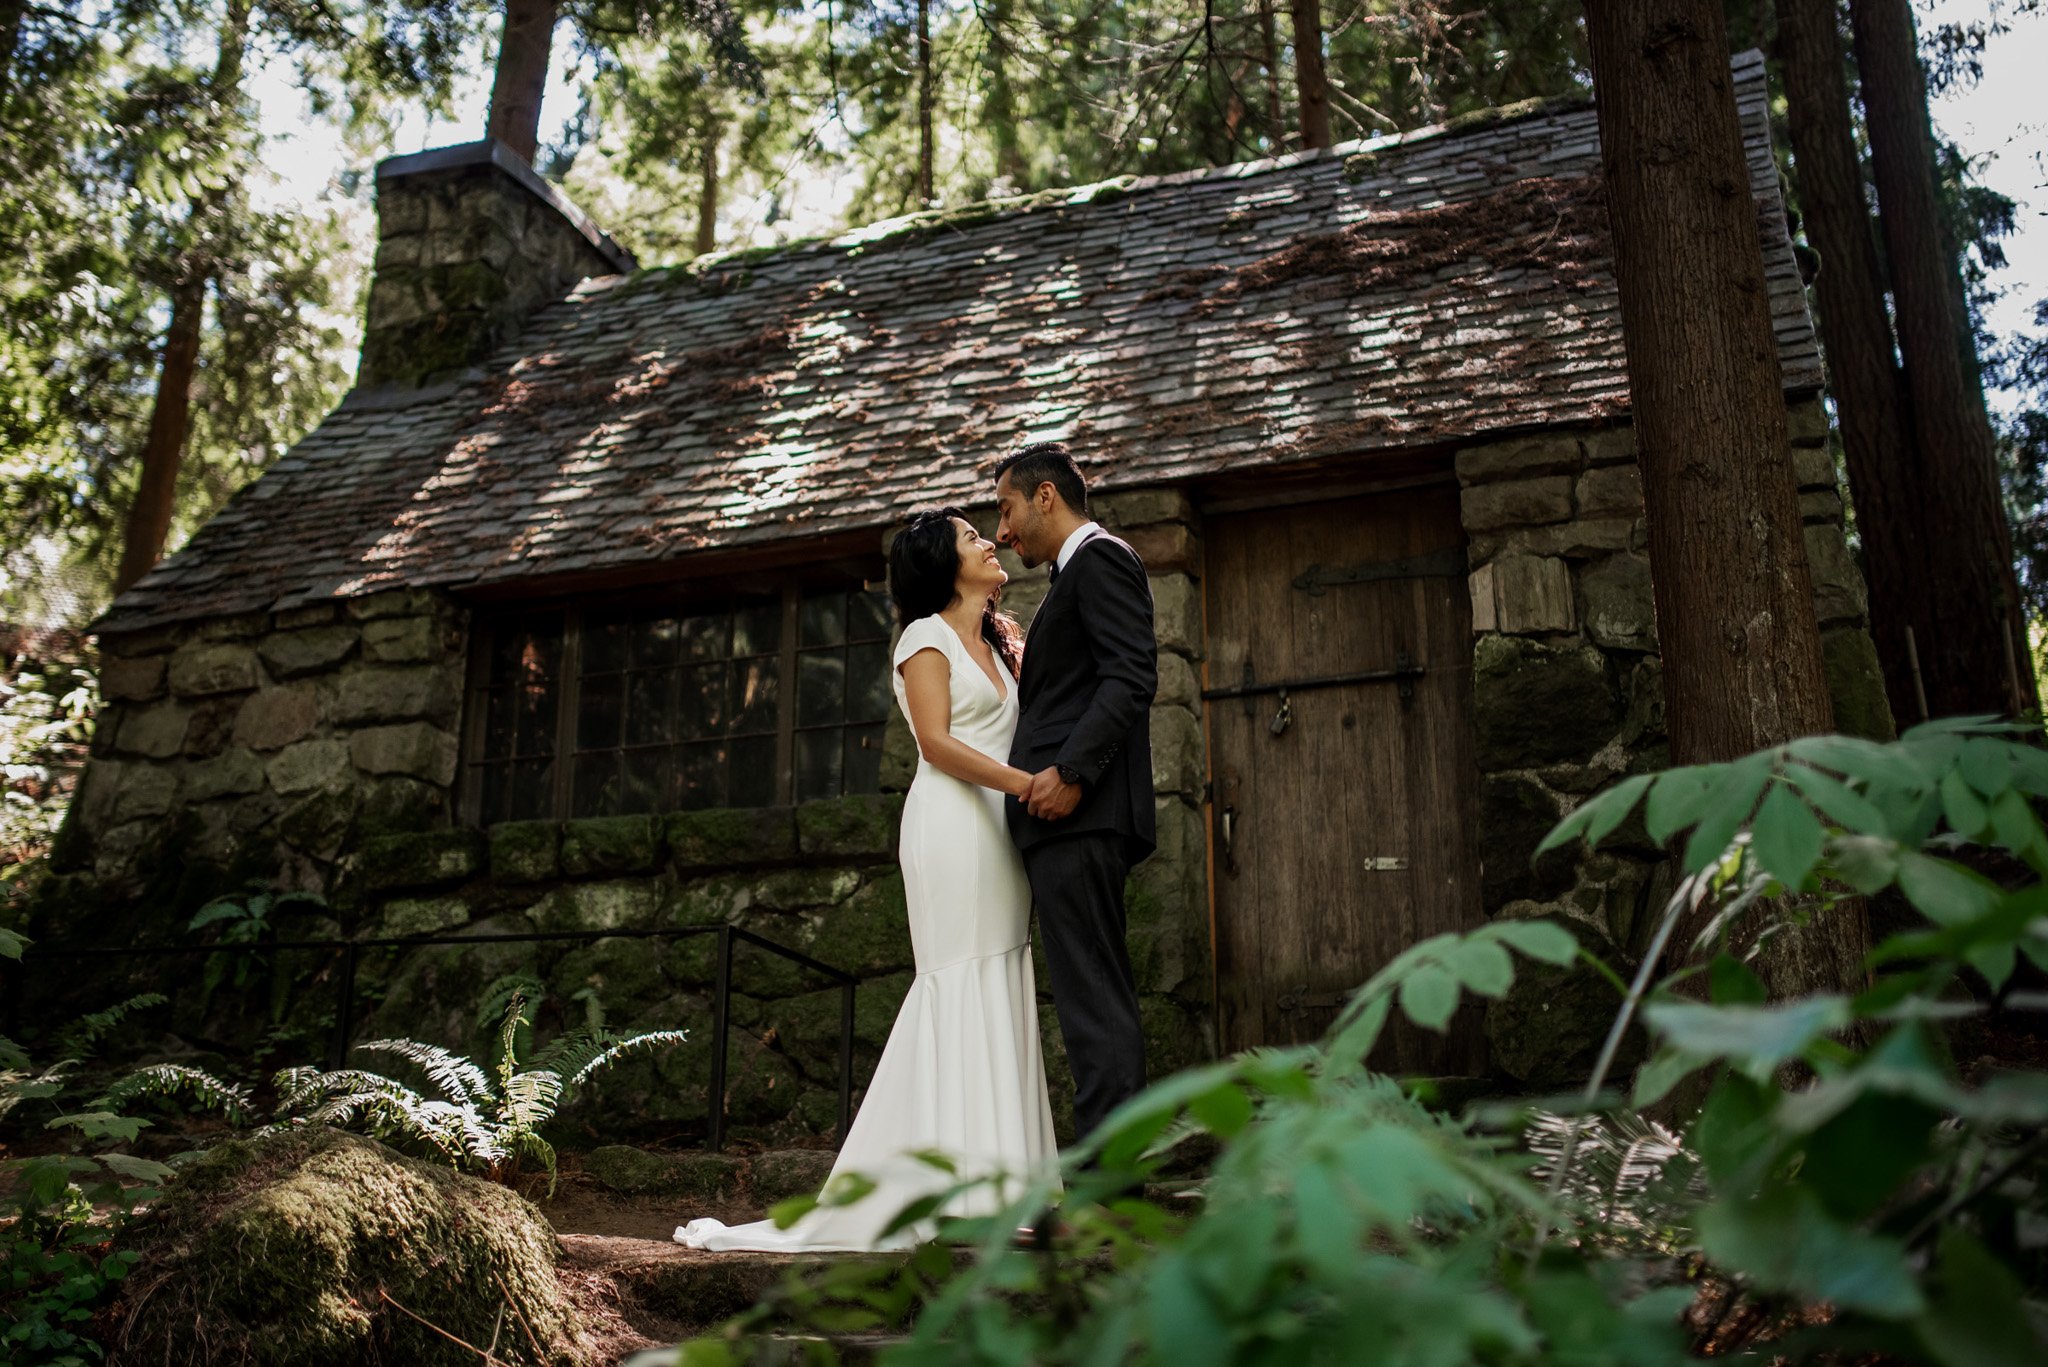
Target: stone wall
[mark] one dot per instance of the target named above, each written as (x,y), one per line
(1568,696)
(316,749)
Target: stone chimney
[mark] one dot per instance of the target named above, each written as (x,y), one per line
(469,243)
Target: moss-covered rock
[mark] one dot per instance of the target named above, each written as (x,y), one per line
(525,851)
(870,933)
(1856,684)
(1515,813)
(1540,704)
(624,973)
(421,859)
(424,915)
(779,1174)
(613,905)
(600,845)
(727,837)
(636,1172)
(803,889)
(317,1247)
(857,826)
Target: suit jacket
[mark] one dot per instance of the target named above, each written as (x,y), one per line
(1091,666)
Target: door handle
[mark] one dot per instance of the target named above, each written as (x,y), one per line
(1227,823)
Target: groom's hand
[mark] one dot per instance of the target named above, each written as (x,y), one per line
(1051,797)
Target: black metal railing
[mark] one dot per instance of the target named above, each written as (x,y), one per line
(351,950)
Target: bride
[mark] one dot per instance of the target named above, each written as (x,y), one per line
(962,1073)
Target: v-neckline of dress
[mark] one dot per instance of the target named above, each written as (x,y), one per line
(995,682)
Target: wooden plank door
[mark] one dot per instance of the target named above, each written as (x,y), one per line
(1351,829)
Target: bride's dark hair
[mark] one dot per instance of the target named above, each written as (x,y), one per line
(924,564)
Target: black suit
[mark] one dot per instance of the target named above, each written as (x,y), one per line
(1089,672)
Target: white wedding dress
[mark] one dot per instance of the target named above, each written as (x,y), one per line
(963,1073)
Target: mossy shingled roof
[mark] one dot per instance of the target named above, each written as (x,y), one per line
(1410,291)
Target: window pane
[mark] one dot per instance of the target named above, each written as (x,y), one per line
(752,772)
(645,787)
(867,682)
(820,687)
(757,627)
(701,708)
(494,795)
(527,649)
(821,620)
(597,785)
(867,615)
(654,642)
(501,719)
(647,713)
(597,714)
(755,694)
(534,732)
(863,772)
(700,776)
(604,646)
(532,796)
(818,760)
(706,637)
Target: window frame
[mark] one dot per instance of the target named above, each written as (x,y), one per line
(490,620)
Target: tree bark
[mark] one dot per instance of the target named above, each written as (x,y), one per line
(1886,474)
(1735,618)
(707,191)
(521,77)
(1269,42)
(1977,659)
(163,449)
(1311,85)
(925,96)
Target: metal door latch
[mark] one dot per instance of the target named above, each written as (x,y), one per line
(1384,863)
(1301,999)
(1283,718)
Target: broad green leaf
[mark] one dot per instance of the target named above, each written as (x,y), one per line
(1785,837)
(1843,805)
(1726,810)
(1760,1037)
(1978,1317)
(1223,1111)
(1856,1161)
(1482,966)
(1966,812)
(1733,1134)
(1867,863)
(1986,765)
(1184,1325)
(1865,761)
(1784,1241)
(136,1169)
(11,944)
(1665,1070)
(1429,996)
(1731,982)
(2016,826)
(1545,941)
(2030,769)
(1946,894)
(1677,799)
(787,1213)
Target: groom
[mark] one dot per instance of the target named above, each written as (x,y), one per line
(1090,668)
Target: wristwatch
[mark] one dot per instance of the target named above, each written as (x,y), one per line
(1069,774)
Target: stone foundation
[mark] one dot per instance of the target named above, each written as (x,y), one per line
(1568,697)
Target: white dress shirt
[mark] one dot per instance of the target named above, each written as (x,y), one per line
(1073,543)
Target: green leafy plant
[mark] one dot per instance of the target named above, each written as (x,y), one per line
(488,1121)
(244,922)
(1845,1189)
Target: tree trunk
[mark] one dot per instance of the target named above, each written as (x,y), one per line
(521,78)
(1269,41)
(707,192)
(1310,83)
(1975,661)
(925,95)
(1735,619)
(163,449)
(1886,475)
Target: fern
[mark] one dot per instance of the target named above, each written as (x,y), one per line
(78,1041)
(172,1080)
(484,1120)
(1630,1175)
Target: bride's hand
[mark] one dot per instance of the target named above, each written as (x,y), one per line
(1020,784)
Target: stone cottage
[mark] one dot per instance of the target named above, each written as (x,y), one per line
(571,614)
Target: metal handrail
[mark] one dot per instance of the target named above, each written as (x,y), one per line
(721,1007)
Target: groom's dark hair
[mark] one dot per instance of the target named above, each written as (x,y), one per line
(1048,462)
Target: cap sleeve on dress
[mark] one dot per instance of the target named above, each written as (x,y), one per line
(926,633)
